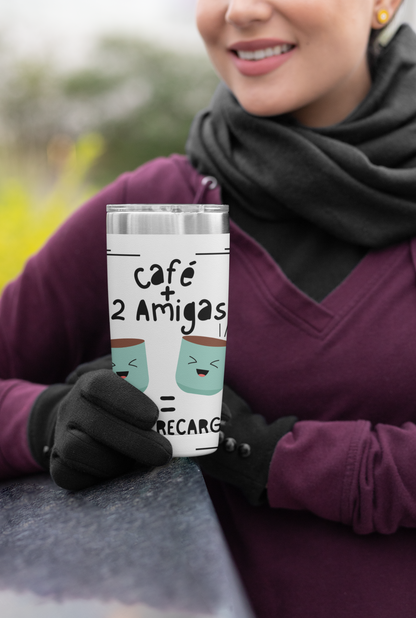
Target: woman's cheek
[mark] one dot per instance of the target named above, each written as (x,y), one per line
(210,17)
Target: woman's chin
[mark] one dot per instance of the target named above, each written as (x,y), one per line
(257,107)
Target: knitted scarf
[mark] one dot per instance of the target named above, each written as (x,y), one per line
(355,180)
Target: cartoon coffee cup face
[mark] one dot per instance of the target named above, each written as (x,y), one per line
(201,365)
(130,361)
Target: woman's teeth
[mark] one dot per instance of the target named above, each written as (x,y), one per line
(260,54)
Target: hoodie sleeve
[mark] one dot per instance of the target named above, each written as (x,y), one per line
(52,317)
(348,471)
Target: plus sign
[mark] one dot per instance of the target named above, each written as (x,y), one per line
(168,293)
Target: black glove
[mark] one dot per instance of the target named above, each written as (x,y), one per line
(95,427)
(246,447)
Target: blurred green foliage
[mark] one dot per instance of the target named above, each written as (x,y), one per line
(65,133)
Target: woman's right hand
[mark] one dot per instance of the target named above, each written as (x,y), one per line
(95,429)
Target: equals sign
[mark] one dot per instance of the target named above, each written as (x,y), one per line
(167,398)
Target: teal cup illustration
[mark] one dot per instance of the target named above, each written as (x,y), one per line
(201,365)
(130,361)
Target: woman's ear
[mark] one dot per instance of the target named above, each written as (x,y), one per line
(383,12)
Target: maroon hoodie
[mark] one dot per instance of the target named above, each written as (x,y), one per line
(338,538)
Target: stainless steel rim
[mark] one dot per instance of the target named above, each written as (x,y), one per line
(167,219)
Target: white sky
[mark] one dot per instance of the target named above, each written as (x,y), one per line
(66,27)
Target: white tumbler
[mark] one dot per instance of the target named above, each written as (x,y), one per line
(168,271)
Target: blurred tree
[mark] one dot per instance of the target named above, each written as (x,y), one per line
(140,98)
(63,134)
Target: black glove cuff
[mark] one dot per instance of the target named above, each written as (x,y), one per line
(42,421)
(256,489)
(282,426)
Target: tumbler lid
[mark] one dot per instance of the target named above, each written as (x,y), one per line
(171,208)
(167,219)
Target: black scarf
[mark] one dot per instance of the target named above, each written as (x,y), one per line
(353,183)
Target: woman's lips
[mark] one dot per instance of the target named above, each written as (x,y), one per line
(274,52)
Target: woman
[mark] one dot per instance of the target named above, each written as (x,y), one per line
(311,139)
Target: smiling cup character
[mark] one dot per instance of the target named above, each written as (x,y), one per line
(130,361)
(201,365)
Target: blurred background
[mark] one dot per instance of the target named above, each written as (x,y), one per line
(89,90)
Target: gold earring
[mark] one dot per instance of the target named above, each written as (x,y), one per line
(383,16)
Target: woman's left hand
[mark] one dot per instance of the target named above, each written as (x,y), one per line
(246,447)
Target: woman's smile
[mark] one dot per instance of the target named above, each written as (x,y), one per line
(260,56)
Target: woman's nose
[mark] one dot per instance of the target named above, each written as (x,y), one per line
(242,13)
